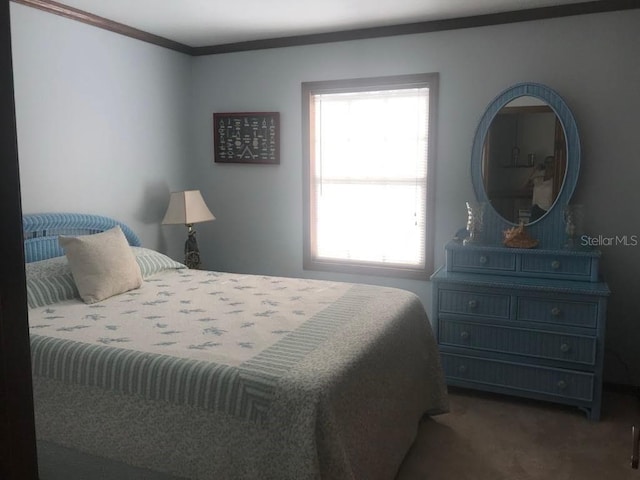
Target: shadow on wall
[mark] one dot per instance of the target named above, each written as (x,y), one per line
(153,206)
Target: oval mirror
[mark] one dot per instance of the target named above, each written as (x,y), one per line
(527,136)
(524,160)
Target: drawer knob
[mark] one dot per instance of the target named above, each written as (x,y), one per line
(562,384)
(462,368)
(483,259)
(565,347)
(555,311)
(555,264)
(464,335)
(473,304)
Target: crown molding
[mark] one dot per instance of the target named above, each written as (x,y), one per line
(104,23)
(541,13)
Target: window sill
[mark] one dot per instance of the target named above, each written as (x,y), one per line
(416,273)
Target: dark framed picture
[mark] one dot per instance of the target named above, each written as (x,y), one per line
(246,137)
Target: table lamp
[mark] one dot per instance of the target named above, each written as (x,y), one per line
(186,208)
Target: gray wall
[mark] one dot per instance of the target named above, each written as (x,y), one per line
(102,121)
(591,61)
(110,125)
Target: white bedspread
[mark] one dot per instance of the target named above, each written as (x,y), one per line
(244,314)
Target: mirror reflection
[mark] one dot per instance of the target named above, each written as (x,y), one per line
(524,160)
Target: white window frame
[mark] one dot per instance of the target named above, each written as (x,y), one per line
(312,261)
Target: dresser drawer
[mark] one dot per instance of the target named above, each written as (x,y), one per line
(564,265)
(471,303)
(578,265)
(534,309)
(476,260)
(518,341)
(520,377)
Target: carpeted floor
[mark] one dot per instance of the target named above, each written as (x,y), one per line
(492,437)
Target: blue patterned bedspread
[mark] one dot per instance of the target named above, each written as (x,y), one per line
(214,340)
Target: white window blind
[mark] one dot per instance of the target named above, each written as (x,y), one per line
(369,176)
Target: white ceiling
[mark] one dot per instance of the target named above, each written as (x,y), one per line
(198,23)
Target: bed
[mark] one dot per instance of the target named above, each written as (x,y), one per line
(213,375)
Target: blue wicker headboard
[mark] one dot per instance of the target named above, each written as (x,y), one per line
(41,232)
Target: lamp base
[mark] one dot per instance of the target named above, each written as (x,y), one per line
(191,251)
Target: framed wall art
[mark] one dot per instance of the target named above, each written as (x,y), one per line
(247,137)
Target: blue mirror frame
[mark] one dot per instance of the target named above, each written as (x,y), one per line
(548,230)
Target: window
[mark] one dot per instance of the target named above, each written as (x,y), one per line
(368,155)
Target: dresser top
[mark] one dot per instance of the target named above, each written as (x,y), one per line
(522,283)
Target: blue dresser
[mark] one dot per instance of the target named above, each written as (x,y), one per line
(522,322)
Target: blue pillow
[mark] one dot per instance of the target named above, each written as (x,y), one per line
(152,262)
(49,281)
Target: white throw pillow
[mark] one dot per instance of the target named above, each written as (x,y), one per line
(103,265)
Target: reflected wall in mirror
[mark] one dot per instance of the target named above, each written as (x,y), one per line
(524,160)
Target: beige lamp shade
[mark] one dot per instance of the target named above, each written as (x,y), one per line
(186,208)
